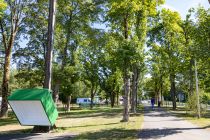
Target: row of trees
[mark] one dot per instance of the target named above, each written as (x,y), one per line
(175,47)
(108,62)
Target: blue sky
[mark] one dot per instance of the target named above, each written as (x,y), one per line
(182,6)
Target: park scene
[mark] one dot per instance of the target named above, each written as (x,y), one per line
(104,69)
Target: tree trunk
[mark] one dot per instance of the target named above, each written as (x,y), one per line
(173,90)
(5,85)
(69,103)
(126,76)
(134,90)
(117,98)
(91,103)
(48,60)
(126,98)
(191,77)
(197,91)
(56,92)
(112,96)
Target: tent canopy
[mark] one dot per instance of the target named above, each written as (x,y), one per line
(34,107)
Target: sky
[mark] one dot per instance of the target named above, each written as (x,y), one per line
(182,6)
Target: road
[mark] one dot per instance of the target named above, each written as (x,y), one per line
(161,125)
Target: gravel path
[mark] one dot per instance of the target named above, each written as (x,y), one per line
(158,124)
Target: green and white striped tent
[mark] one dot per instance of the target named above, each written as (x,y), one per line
(34,107)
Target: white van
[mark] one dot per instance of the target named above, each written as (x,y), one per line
(81,101)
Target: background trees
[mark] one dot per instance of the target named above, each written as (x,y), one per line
(90,59)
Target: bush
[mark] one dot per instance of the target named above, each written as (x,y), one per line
(192,103)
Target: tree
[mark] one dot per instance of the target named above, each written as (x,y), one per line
(167,33)
(10,24)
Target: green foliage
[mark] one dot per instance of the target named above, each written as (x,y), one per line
(3,6)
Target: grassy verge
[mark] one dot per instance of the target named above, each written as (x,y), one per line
(99,123)
(202,122)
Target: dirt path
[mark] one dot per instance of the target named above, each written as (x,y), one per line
(158,124)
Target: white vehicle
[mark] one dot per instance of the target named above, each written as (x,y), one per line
(81,101)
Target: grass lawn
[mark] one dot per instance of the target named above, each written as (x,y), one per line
(11,125)
(99,123)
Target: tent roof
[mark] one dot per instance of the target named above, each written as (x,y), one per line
(29,94)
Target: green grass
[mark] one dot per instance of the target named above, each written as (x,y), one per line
(11,119)
(99,123)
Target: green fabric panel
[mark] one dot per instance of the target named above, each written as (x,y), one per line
(50,108)
(29,94)
(43,95)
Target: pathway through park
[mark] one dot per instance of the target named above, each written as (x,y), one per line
(161,125)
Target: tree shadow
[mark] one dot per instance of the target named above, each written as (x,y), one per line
(7,121)
(158,133)
(37,136)
(110,134)
(81,126)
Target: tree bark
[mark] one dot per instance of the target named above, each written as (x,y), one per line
(126,76)
(134,90)
(48,60)
(6,74)
(91,98)
(69,103)
(197,91)
(112,96)
(173,90)
(5,85)
(56,92)
(191,77)
(126,98)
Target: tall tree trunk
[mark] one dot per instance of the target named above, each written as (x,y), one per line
(161,89)
(134,90)
(48,59)
(191,77)
(197,91)
(69,103)
(126,98)
(5,85)
(173,90)
(6,74)
(126,77)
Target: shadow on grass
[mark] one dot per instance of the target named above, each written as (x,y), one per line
(11,132)
(81,126)
(110,134)
(7,121)
(91,113)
